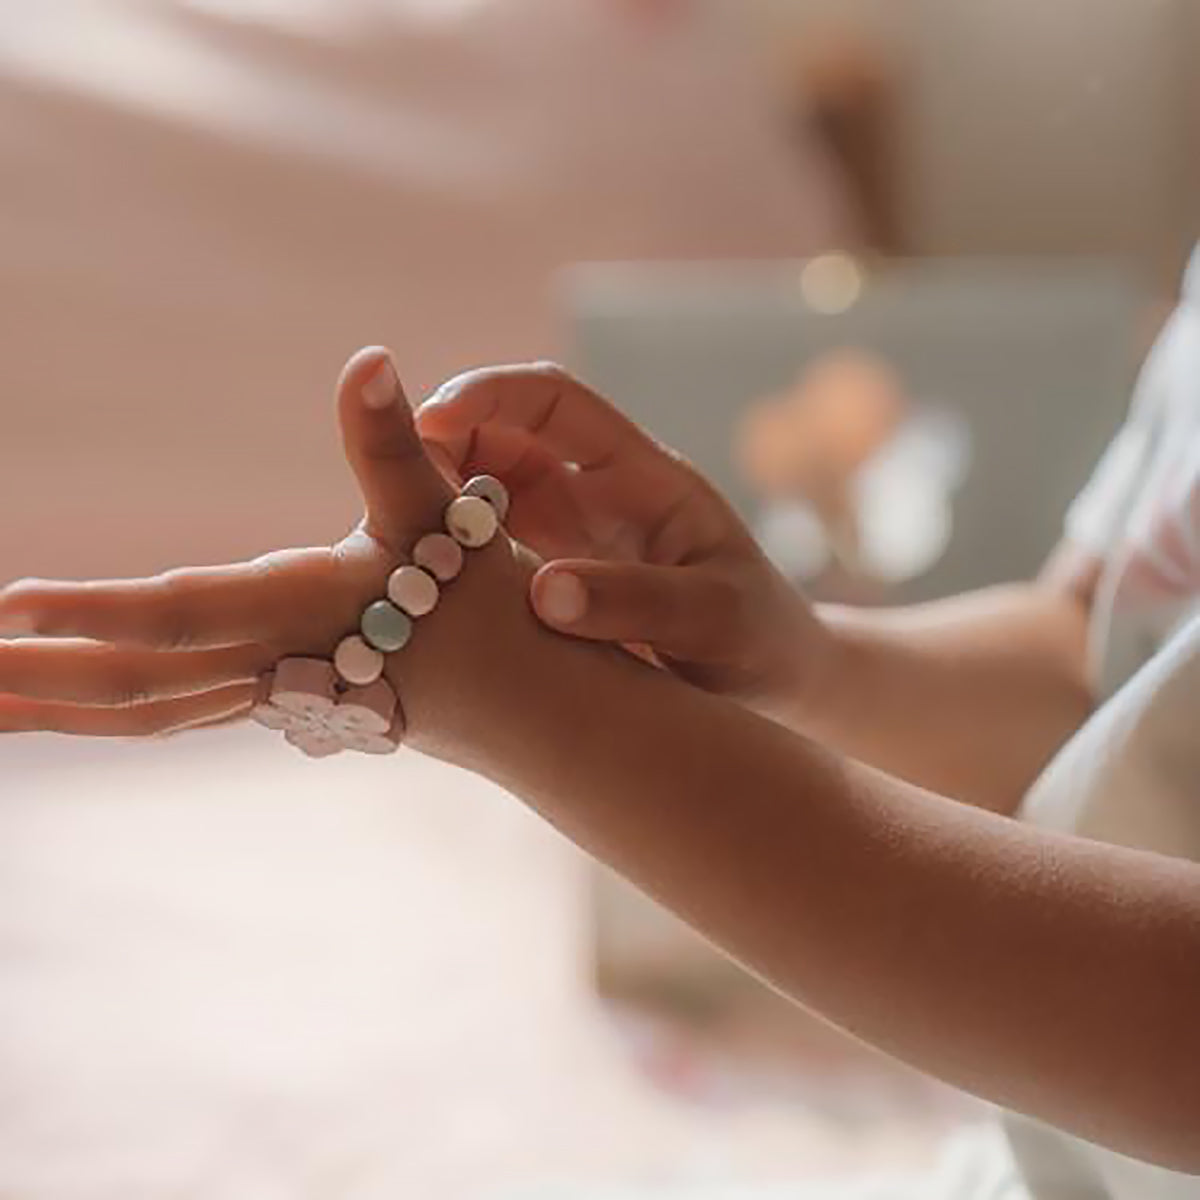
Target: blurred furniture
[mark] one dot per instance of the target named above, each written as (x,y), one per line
(848,97)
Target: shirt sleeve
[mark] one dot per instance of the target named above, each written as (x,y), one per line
(1098,514)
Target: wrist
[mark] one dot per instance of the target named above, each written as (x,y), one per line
(486,684)
(813,670)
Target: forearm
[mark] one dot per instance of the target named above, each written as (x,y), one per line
(1052,975)
(968,697)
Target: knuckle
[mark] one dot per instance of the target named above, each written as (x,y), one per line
(148,720)
(726,607)
(172,626)
(555,372)
(127,689)
(324,586)
(656,605)
(311,568)
(465,381)
(326,589)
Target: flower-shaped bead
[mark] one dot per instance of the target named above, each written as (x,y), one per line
(321,722)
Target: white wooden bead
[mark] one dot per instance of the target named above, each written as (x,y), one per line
(365,710)
(357,662)
(440,555)
(489,488)
(471,522)
(304,685)
(413,591)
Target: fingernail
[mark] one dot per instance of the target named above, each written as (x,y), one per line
(382,389)
(562,599)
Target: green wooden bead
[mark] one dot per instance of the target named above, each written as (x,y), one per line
(385,627)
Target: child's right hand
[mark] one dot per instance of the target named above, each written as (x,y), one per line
(644,551)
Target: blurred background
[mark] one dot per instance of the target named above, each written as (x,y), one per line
(883,268)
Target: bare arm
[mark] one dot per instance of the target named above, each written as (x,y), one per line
(1053,975)
(969,696)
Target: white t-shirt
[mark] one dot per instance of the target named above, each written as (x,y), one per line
(1132,775)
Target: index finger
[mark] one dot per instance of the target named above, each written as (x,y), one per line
(546,403)
(271,599)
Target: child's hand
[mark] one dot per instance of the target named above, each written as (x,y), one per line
(647,552)
(184,649)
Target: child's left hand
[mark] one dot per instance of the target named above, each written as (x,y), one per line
(184,649)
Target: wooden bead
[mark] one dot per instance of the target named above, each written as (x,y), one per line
(489,488)
(385,627)
(471,522)
(413,591)
(440,555)
(356,662)
(365,710)
(306,686)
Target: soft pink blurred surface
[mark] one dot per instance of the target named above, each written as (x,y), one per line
(224,973)
(202,215)
(228,973)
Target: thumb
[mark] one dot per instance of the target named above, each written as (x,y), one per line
(401,487)
(685,613)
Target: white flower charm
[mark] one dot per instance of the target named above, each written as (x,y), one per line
(300,700)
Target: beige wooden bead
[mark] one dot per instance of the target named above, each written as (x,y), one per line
(471,522)
(413,591)
(440,555)
(357,662)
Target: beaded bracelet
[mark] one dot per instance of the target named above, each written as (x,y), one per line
(323,707)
